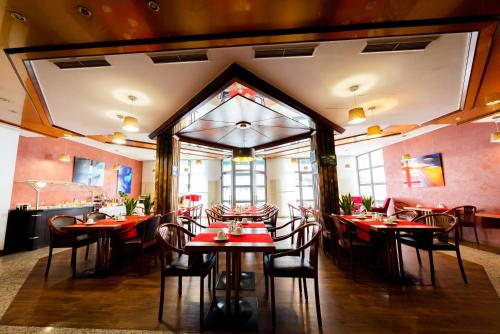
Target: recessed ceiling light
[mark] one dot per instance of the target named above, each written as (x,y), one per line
(18,16)
(138,98)
(84,11)
(458,118)
(154,6)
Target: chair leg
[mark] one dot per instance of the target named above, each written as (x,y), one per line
(266,280)
(475,232)
(431,263)
(461,265)
(300,288)
(400,258)
(73,260)
(418,257)
(179,286)
(48,262)
(273,306)
(305,288)
(202,301)
(316,296)
(214,279)
(162,297)
(461,234)
(87,253)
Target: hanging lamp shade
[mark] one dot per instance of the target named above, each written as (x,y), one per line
(116,167)
(130,124)
(495,137)
(374,131)
(406,157)
(64,157)
(243,154)
(356,115)
(118,138)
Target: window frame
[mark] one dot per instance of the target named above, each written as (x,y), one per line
(372,184)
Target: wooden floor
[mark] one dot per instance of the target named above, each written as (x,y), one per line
(370,305)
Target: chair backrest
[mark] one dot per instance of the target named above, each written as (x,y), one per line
(405,214)
(171,238)
(387,201)
(96,215)
(311,245)
(400,206)
(326,222)
(169,217)
(56,222)
(147,229)
(344,230)
(466,214)
(294,211)
(444,220)
(211,217)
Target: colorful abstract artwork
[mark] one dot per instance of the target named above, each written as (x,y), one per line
(424,171)
(97,174)
(125,179)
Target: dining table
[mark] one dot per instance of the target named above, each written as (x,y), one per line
(232,312)
(252,213)
(105,229)
(367,226)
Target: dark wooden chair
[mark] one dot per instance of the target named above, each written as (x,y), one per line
(466,215)
(169,217)
(96,215)
(271,220)
(294,212)
(211,216)
(301,263)
(328,235)
(146,238)
(438,241)
(348,241)
(175,262)
(60,239)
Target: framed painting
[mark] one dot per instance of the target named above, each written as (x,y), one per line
(97,174)
(125,179)
(423,171)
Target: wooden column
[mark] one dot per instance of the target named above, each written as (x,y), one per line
(325,170)
(167,171)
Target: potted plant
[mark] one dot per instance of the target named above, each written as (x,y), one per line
(367,202)
(130,205)
(346,204)
(148,205)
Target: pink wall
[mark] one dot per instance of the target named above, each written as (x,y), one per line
(38,158)
(471,167)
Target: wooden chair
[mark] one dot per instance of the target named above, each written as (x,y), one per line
(295,264)
(400,206)
(211,216)
(437,241)
(146,237)
(96,215)
(271,220)
(348,241)
(60,239)
(169,217)
(171,240)
(328,236)
(466,215)
(294,212)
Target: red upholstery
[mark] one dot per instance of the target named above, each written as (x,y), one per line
(357,201)
(384,207)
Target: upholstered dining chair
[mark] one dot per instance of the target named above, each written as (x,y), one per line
(466,215)
(175,262)
(438,241)
(96,215)
(347,241)
(60,239)
(146,238)
(382,209)
(301,263)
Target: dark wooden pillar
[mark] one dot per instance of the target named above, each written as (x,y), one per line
(325,170)
(167,171)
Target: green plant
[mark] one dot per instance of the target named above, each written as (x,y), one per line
(130,204)
(347,204)
(367,202)
(122,194)
(148,205)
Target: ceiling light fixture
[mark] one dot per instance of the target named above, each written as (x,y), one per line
(118,138)
(18,16)
(116,167)
(154,6)
(84,11)
(492,99)
(495,136)
(198,162)
(406,157)
(64,157)
(243,154)
(130,124)
(356,114)
(243,125)
(373,131)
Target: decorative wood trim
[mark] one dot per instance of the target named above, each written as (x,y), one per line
(284,141)
(204,143)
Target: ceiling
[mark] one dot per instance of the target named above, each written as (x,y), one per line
(404,87)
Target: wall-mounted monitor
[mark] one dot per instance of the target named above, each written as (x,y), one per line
(89,172)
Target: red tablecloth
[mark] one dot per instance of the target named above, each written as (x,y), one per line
(363,230)
(249,225)
(130,221)
(207,237)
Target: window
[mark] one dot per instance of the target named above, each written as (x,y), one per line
(193,179)
(243,183)
(371,176)
(304,181)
